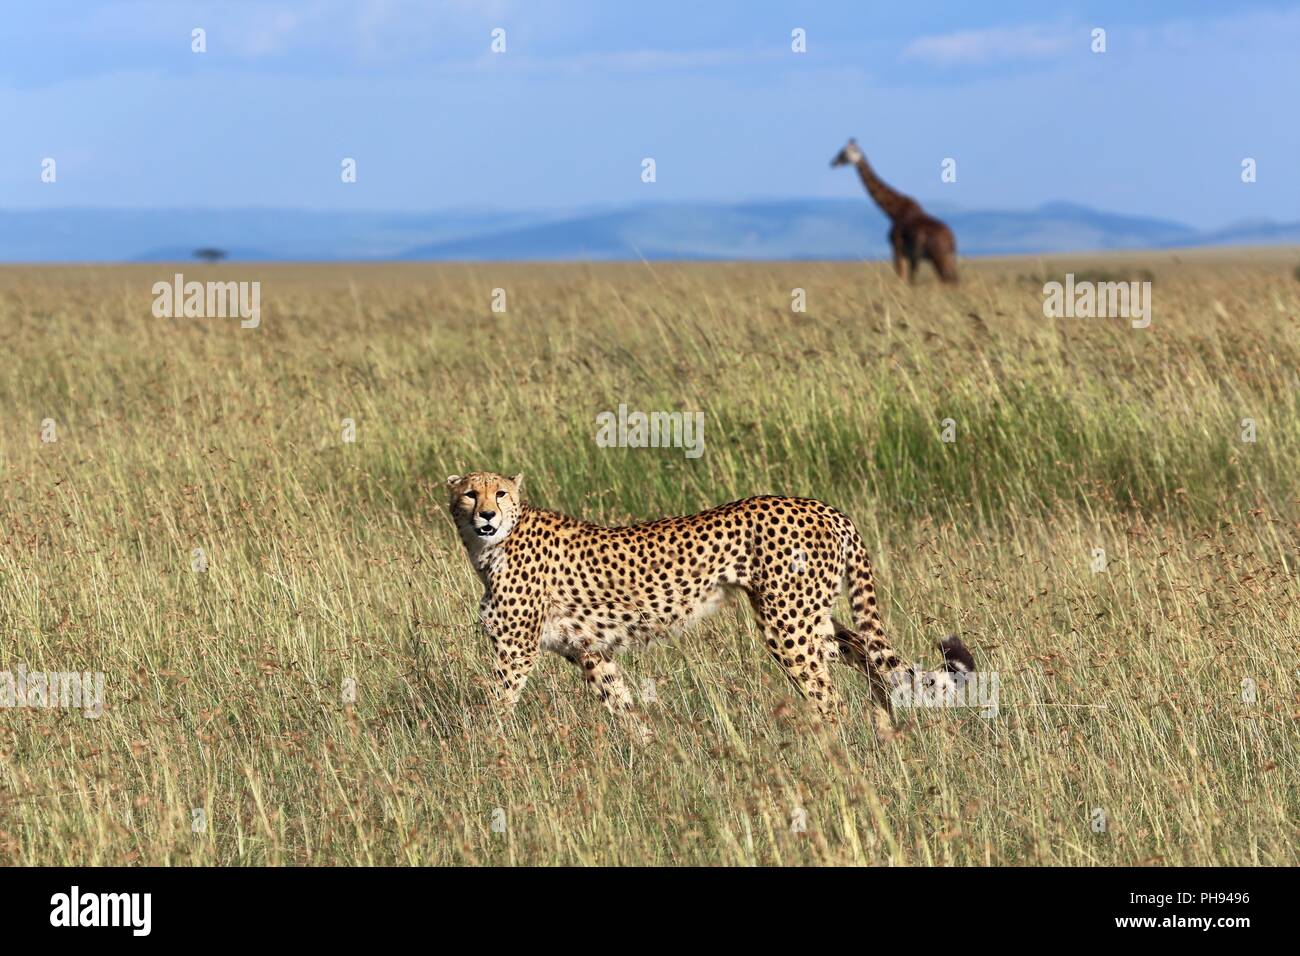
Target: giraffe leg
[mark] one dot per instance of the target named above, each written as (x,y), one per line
(946,263)
(942,251)
(900,254)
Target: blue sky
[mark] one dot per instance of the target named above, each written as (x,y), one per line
(1157,125)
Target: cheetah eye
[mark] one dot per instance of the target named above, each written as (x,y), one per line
(472,495)
(500,495)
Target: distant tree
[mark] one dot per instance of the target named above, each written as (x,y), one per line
(209,254)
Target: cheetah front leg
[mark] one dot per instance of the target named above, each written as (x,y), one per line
(516,639)
(514,662)
(602,675)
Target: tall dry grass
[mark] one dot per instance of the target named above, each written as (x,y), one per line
(1121,691)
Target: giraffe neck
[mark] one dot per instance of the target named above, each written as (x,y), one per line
(892,203)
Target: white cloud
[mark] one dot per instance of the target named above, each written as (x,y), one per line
(995,45)
(270,35)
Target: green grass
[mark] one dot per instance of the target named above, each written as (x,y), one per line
(1120,690)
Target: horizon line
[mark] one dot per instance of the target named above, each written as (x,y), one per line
(592,206)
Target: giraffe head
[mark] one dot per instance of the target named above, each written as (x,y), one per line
(848,155)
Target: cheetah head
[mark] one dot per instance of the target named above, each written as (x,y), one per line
(848,155)
(485,506)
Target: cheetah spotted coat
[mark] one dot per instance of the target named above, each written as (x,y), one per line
(586,592)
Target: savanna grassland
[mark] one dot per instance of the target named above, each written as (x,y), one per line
(1161,690)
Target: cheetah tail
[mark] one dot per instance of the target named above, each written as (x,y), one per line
(958,666)
(861,586)
(866,613)
(957,657)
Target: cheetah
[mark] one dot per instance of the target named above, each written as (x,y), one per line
(585,592)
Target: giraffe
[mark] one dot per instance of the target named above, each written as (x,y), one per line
(914,235)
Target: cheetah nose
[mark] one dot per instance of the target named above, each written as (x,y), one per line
(487,515)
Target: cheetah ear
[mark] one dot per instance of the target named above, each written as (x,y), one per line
(518,482)
(453,480)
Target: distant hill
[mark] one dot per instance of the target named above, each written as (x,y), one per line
(810,229)
(157,235)
(775,229)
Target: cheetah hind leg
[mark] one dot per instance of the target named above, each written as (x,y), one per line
(804,653)
(853,653)
(602,675)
